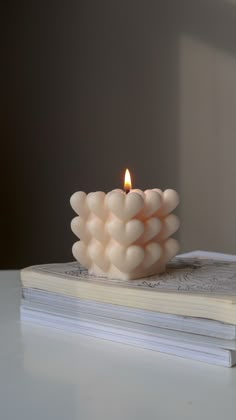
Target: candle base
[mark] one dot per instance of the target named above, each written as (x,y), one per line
(114,273)
(169,249)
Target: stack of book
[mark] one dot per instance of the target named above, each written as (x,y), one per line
(188,311)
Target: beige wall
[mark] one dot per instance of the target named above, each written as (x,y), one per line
(207,146)
(92,87)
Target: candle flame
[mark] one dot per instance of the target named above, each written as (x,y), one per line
(127,183)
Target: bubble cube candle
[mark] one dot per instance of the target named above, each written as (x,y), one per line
(125,236)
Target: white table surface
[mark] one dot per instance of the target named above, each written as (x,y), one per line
(49,374)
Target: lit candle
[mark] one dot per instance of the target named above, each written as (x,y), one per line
(126,233)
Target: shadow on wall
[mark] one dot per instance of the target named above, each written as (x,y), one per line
(96,87)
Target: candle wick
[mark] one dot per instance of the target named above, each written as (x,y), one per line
(127,190)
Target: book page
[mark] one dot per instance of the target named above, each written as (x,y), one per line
(198,272)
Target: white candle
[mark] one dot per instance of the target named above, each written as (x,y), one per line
(125,234)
